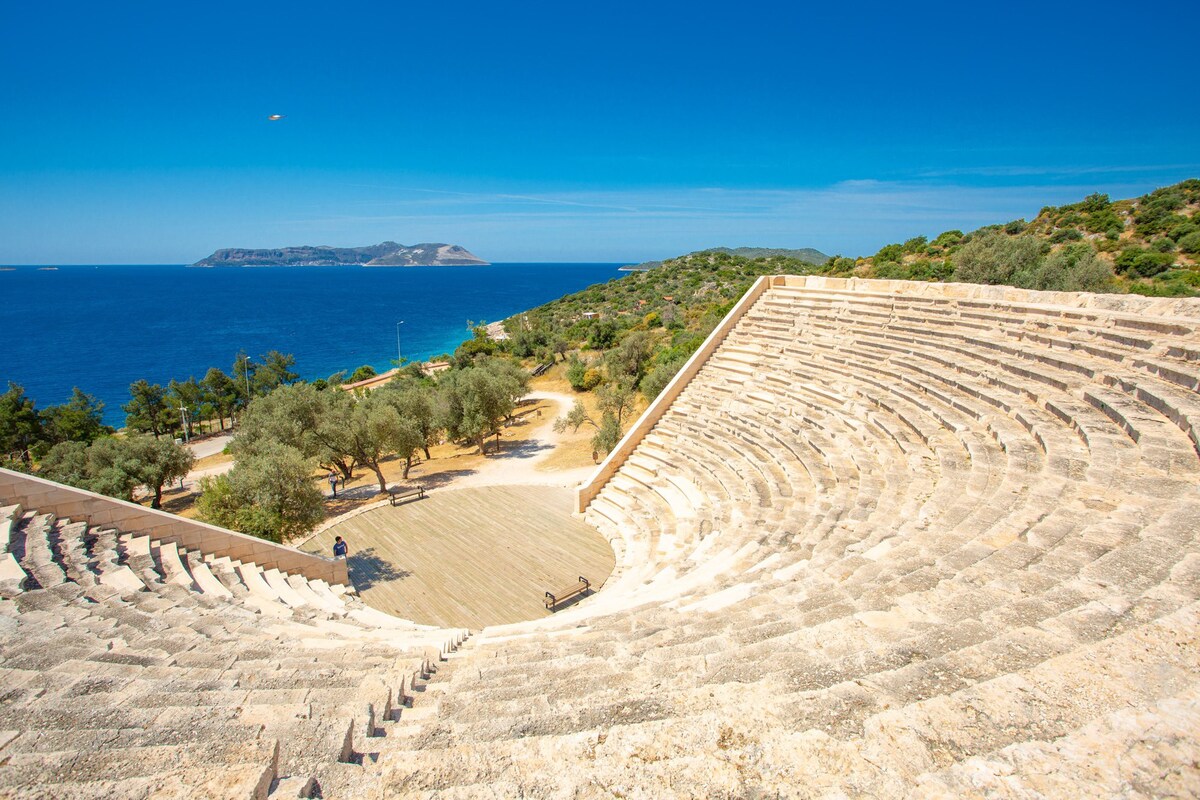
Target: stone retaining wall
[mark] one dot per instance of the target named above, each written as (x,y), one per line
(45,496)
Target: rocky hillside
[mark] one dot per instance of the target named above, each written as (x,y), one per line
(387,254)
(1146,245)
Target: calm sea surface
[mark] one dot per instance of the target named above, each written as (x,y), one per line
(102,328)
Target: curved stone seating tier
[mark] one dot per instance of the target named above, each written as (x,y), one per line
(938,539)
(886,540)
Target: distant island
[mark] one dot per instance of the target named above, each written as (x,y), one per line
(387,254)
(806,254)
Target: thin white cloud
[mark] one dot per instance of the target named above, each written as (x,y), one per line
(1018,171)
(849,217)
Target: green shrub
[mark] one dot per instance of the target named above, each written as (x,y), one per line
(576,373)
(591,378)
(948,238)
(891,252)
(1190,243)
(1138,263)
(889,270)
(1066,235)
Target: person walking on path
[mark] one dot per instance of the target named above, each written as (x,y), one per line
(339,547)
(333,483)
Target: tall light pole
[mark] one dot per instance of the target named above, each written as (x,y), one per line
(183,417)
(246,374)
(399,358)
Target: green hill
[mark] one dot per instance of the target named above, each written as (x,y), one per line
(1146,245)
(804,254)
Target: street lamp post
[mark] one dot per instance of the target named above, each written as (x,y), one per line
(399,358)
(183,418)
(246,374)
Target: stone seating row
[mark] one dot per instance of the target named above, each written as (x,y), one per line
(131,666)
(1135,365)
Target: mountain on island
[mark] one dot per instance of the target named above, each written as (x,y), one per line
(387,254)
(807,254)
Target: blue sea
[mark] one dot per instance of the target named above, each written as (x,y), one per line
(103,327)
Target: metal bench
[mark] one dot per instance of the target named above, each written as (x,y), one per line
(399,495)
(554,598)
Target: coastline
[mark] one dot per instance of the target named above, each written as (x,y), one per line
(330,319)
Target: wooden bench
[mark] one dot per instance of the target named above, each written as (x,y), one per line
(554,598)
(398,495)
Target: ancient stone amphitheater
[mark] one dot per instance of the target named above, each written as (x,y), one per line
(876,540)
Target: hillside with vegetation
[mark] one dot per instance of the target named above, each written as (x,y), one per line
(808,254)
(1147,245)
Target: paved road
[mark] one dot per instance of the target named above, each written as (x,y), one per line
(211,446)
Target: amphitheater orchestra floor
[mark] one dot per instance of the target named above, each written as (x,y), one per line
(470,557)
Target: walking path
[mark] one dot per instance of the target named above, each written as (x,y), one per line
(519,465)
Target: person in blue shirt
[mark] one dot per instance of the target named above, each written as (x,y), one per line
(339,547)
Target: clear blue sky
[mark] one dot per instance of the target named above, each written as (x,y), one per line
(136,132)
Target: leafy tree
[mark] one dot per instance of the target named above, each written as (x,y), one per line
(657,378)
(269,494)
(187,395)
(480,344)
(1139,263)
(276,370)
(608,429)
(362,373)
(602,335)
(474,401)
(147,410)
(416,403)
(66,462)
(108,469)
(948,238)
(154,463)
(301,417)
(630,360)
(116,467)
(576,372)
(20,425)
(221,393)
(1066,235)
(373,431)
(609,434)
(993,258)
(616,399)
(80,419)
(916,245)
(407,440)
(1075,268)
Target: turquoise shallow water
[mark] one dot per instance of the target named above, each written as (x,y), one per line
(103,327)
